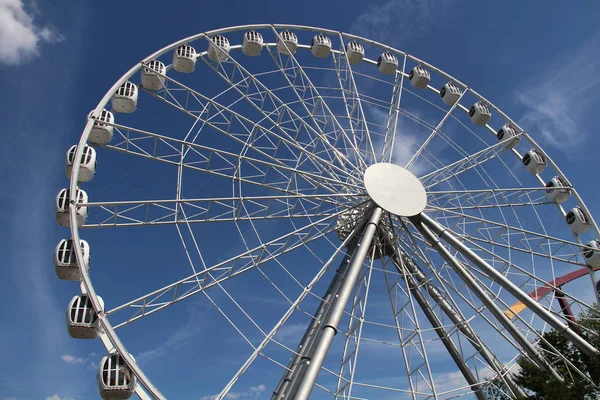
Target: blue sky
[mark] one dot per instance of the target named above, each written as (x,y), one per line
(57,59)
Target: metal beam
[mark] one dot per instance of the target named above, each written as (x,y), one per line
(466,276)
(462,325)
(288,382)
(435,322)
(314,363)
(513,289)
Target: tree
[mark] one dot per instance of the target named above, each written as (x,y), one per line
(574,387)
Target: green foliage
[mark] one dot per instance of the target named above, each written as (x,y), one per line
(496,389)
(543,386)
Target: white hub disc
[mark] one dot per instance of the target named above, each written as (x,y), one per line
(395,189)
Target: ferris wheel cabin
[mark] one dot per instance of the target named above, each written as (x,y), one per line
(150,75)
(355,52)
(419,77)
(125,98)
(115,380)
(252,43)
(480,113)
(387,63)
(450,93)
(184,59)
(82,320)
(65,260)
(592,256)
(578,221)
(87,166)
(63,199)
(508,131)
(320,46)
(557,190)
(102,133)
(534,162)
(218,48)
(287,42)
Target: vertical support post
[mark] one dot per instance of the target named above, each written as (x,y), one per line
(329,328)
(435,322)
(566,309)
(295,366)
(466,277)
(513,289)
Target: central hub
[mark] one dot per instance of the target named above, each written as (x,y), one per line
(395,189)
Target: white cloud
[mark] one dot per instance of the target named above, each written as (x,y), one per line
(253,392)
(69,359)
(57,397)
(20,37)
(393,22)
(558,100)
(177,340)
(291,332)
(8,398)
(404,144)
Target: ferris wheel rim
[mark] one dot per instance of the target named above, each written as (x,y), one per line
(86,284)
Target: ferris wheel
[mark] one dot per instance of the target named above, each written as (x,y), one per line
(358,222)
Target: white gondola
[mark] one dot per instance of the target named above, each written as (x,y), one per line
(115,379)
(287,42)
(508,131)
(184,59)
(355,52)
(419,77)
(82,320)
(534,162)
(450,93)
(577,220)
(62,202)
(87,167)
(65,261)
(557,190)
(125,98)
(150,75)
(102,133)
(218,48)
(320,46)
(252,44)
(592,255)
(387,63)
(480,113)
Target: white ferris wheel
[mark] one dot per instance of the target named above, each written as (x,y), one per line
(405,228)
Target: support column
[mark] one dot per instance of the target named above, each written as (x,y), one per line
(513,289)
(329,328)
(435,322)
(466,276)
(299,360)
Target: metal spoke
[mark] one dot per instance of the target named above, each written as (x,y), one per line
(184,288)
(392,119)
(218,209)
(359,128)
(224,118)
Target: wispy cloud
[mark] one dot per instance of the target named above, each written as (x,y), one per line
(395,21)
(20,36)
(69,359)
(253,392)
(291,332)
(558,100)
(57,397)
(178,340)
(404,145)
